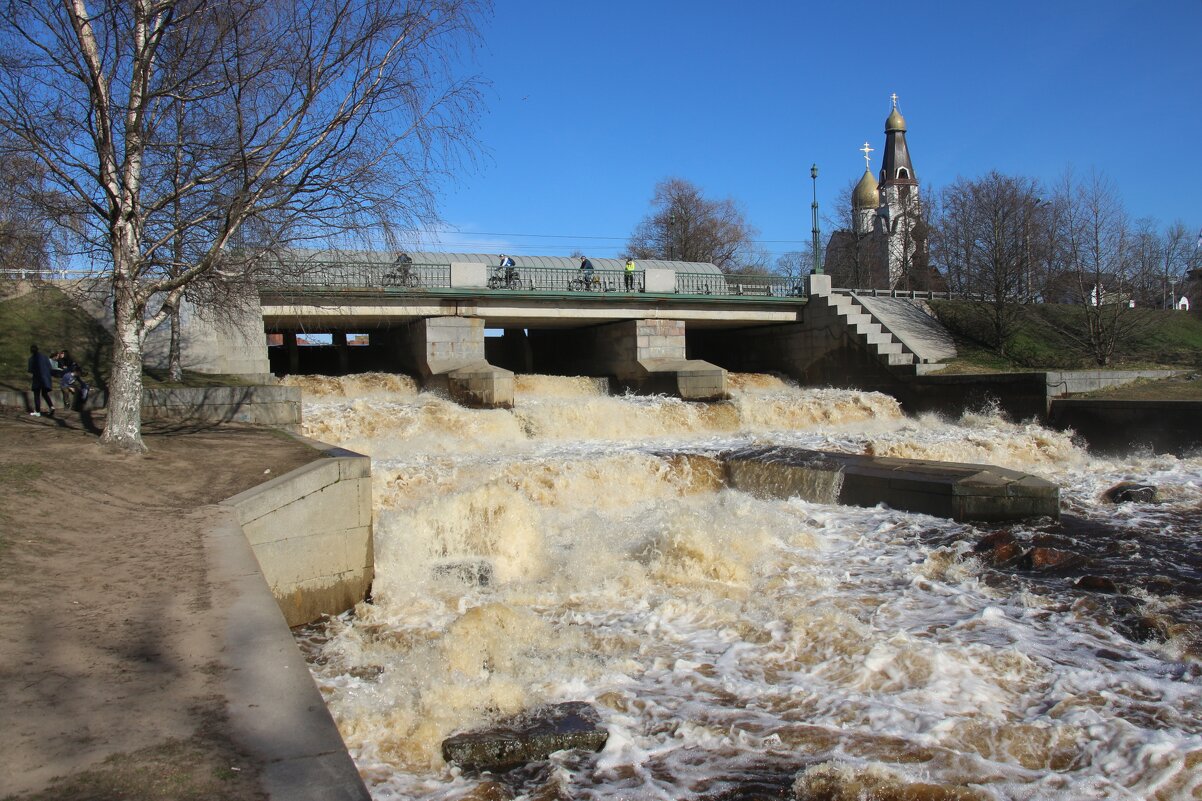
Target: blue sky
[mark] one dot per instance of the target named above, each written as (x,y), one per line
(590,104)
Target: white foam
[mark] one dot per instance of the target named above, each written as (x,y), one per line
(715,631)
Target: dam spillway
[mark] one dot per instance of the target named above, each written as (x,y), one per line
(731,641)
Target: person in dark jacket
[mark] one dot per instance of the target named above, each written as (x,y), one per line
(39,371)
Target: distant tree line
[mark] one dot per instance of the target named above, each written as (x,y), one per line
(999,241)
(1008,241)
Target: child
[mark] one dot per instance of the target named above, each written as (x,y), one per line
(67,384)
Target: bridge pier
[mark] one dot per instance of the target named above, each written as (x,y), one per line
(646,356)
(448,353)
(817,352)
(824,348)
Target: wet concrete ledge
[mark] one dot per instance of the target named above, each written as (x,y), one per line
(945,489)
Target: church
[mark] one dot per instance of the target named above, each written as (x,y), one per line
(885,244)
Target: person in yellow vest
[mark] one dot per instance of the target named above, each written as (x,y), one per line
(629,276)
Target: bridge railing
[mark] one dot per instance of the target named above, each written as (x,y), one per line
(915,294)
(360,275)
(774,286)
(392,277)
(554,279)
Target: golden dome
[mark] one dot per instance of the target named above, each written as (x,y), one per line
(895,122)
(865,195)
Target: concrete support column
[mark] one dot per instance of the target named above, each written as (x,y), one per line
(448,353)
(649,356)
(293,351)
(229,341)
(344,356)
(820,350)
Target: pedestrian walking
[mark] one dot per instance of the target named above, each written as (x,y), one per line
(40,381)
(628,276)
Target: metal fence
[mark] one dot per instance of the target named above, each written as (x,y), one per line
(765,286)
(359,275)
(409,277)
(915,294)
(551,279)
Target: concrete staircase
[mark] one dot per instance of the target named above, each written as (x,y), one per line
(869,331)
(902,333)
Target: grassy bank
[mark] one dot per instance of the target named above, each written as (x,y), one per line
(1159,339)
(45,316)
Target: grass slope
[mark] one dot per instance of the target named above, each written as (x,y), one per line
(1160,339)
(48,318)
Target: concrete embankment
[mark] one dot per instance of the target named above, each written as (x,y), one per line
(311,531)
(1119,426)
(1021,395)
(284,553)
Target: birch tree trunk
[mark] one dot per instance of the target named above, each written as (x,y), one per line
(184,141)
(123,429)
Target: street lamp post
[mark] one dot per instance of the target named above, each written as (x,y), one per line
(814,231)
(1029,211)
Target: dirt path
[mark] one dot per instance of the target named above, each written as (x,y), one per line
(108,684)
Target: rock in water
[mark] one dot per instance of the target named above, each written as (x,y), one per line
(527,737)
(1130,492)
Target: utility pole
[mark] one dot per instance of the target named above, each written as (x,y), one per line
(814,209)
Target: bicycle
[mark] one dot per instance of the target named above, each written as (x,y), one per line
(402,276)
(589,283)
(504,278)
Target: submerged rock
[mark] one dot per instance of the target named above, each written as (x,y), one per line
(528,737)
(1130,492)
(1096,583)
(1053,559)
(833,781)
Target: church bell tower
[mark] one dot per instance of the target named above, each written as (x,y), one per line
(899,209)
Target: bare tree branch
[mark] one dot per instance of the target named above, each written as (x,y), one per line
(182,129)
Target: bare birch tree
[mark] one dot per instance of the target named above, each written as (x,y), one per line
(1178,254)
(183,129)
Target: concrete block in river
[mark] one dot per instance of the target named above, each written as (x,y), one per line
(946,489)
(528,737)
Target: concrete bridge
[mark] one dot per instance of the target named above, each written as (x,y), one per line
(460,322)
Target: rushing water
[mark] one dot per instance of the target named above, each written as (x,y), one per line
(737,647)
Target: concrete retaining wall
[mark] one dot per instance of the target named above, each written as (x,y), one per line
(272,406)
(311,531)
(1118,426)
(1069,382)
(260,405)
(1021,395)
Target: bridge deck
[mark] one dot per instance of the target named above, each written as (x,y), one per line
(504,308)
